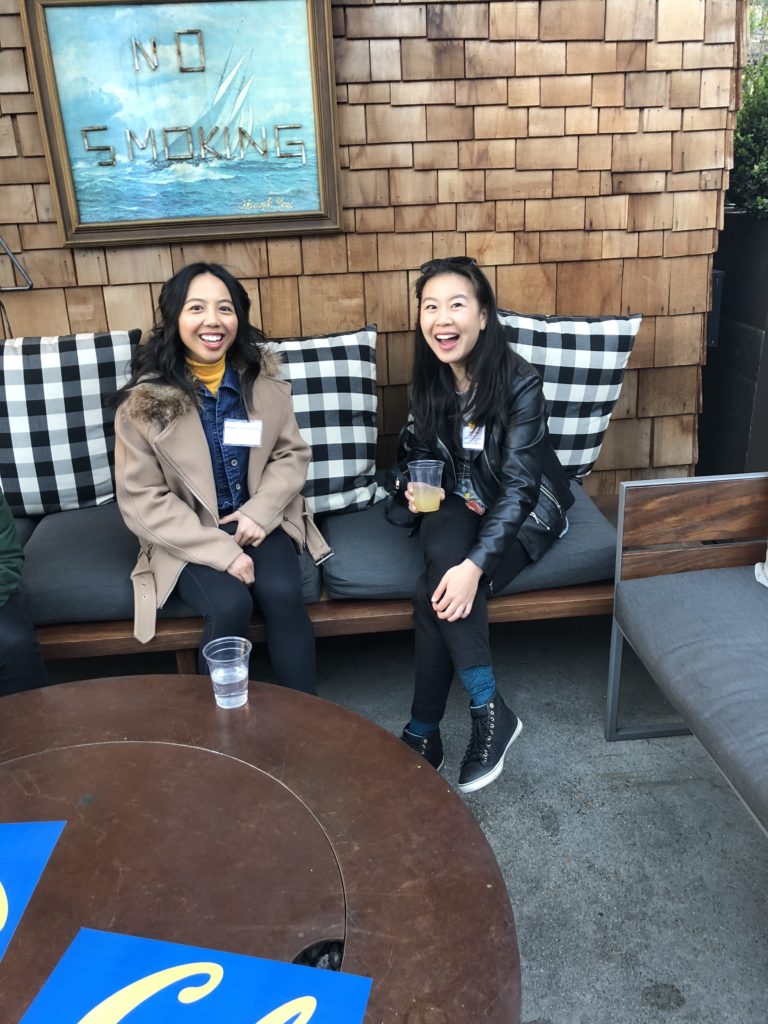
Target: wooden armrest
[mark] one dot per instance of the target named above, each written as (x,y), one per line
(693,523)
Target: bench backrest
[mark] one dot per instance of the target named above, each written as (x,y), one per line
(668,526)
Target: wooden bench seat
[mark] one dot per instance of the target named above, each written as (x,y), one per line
(329,618)
(341,616)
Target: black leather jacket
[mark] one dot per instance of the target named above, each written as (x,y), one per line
(517,474)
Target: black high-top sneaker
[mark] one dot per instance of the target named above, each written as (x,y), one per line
(430,747)
(494,730)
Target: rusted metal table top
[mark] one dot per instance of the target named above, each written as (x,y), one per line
(264,830)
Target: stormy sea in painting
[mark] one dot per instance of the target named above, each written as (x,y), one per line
(158,190)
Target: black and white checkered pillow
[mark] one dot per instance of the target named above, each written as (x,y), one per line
(333,381)
(56,437)
(582,362)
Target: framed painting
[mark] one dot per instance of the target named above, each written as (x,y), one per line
(185,120)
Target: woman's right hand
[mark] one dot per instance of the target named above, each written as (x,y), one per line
(409,497)
(242,569)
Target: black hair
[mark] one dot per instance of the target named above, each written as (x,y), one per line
(161,358)
(489,367)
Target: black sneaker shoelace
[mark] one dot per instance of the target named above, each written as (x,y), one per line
(479,741)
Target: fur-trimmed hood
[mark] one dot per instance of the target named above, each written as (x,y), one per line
(164,403)
(158,403)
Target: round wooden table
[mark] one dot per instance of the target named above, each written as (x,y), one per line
(267,830)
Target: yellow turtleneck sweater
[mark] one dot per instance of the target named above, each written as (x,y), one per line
(209,374)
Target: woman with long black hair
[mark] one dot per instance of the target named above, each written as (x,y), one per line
(209,466)
(478,408)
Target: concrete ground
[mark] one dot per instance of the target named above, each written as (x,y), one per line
(638,880)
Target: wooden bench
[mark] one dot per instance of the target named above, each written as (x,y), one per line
(336,617)
(329,618)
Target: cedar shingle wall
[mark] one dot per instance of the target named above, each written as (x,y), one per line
(578,148)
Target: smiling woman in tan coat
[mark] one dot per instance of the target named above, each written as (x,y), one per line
(209,466)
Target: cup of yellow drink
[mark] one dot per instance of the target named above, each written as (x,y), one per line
(426,475)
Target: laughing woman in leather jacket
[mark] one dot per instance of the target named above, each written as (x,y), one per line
(478,408)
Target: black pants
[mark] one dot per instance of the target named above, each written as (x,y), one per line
(446,537)
(226,605)
(21,663)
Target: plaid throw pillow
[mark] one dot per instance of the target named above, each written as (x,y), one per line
(333,381)
(582,362)
(56,437)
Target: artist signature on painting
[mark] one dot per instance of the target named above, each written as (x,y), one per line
(270,203)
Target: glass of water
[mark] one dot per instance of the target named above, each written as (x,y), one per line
(227,660)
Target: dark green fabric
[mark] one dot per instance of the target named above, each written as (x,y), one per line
(11,554)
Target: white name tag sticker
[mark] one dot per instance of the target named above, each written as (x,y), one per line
(246,433)
(473,437)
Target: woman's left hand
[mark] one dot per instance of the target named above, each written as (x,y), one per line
(248,533)
(456,591)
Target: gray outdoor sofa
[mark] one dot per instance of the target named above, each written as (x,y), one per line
(77,592)
(688,602)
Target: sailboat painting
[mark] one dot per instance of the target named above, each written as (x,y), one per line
(189,111)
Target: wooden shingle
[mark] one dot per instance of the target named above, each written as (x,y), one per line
(566,90)
(630,19)
(487,59)
(681,19)
(531,288)
(85,309)
(540,154)
(514,20)
(438,59)
(457,21)
(540,58)
(330,303)
(585,289)
(384,21)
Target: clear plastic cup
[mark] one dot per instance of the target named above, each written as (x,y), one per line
(227,660)
(426,475)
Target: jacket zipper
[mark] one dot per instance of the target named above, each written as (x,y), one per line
(557,505)
(552,498)
(182,476)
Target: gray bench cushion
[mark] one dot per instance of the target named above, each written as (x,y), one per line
(704,638)
(374,559)
(25,526)
(77,569)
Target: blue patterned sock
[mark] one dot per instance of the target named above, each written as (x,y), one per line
(418,728)
(479,683)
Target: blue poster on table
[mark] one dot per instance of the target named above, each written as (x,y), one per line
(25,847)
(106,978)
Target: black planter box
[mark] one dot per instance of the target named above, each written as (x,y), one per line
(733,427)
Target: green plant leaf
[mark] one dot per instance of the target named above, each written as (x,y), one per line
(748,187)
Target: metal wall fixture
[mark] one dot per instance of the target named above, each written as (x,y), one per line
(17,268)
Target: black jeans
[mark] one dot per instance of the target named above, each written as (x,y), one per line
(21,663)
(226,605)
(446,538)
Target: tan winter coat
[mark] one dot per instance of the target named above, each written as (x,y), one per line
(167,495)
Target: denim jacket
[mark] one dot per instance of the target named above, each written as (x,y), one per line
(229,462)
